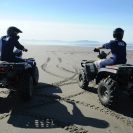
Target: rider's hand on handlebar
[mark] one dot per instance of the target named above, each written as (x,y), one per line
(96,49)
(25,49)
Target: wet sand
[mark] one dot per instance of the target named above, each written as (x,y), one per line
(58,104)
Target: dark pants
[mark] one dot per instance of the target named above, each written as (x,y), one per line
(13,59)
(17,60)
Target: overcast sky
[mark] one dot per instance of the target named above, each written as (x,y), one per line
(67,19)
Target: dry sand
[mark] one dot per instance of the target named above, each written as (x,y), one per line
(58,104)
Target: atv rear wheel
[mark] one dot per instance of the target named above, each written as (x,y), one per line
(131,96)
(108,92)
(27,87)
(82,80)
(35,76)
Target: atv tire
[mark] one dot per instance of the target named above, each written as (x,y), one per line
(82,80)
(131,96)
(35,76)
(27,87)
(108,92)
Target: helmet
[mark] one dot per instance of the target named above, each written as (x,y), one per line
(118,33)
(12,31)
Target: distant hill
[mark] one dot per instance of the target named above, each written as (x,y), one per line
(61,42)
(86,41)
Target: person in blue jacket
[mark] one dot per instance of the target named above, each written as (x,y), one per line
(118,50)
(9,42)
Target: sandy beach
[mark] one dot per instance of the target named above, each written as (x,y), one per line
(58,104)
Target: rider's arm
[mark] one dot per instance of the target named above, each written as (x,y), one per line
(19,46)
(108,45)
(101,47)
(105,46)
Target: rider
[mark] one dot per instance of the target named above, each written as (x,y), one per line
(118,50)
(8,43)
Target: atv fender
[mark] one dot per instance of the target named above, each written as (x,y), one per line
(103,73)
(27,66)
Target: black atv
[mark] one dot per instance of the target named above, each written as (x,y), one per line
(111,80)
(21,76)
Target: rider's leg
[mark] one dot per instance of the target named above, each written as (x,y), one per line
(16,59)
(19,60)
(97,63)
(104,62)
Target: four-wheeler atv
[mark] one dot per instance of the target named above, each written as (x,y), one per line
(111,80)
(21,76)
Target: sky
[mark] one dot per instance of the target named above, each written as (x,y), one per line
(67,19)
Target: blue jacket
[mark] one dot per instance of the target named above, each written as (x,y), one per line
(8,44)
(118,49)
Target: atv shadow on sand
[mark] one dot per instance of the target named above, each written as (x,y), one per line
(8,103)
(47,110)
(124,107)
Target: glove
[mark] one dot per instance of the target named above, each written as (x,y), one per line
(25,49)
(17,37)
(96,50)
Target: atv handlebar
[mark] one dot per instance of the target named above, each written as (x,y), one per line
(25,50)
(96,50)
(102,54)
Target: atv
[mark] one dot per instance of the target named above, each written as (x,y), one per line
(110,81)
(22,76)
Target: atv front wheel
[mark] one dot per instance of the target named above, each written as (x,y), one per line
(108,92)
(82,80)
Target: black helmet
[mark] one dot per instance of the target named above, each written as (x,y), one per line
(118,33)
(11,31)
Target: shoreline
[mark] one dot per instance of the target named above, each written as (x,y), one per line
(56,45)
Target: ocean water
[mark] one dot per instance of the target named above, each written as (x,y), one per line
(63,43)
(129,46)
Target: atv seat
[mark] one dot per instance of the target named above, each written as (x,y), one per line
(119,66)
(3,62)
